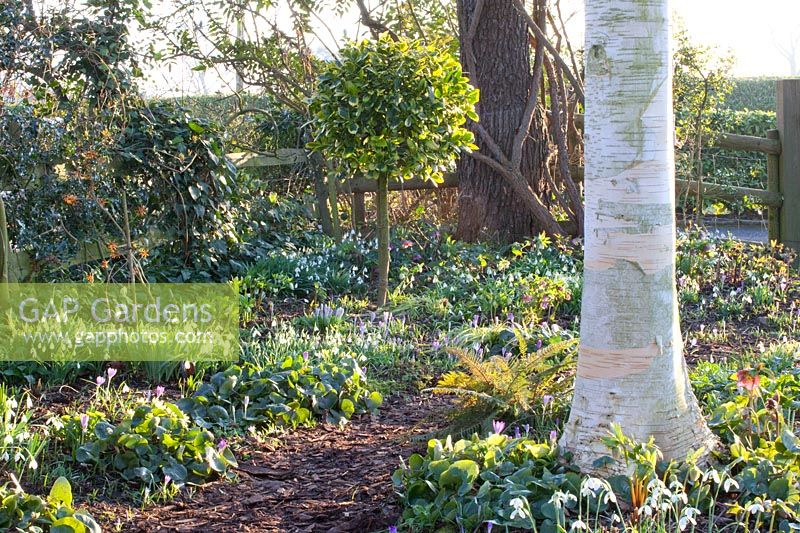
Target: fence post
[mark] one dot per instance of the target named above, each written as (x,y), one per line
(774,185)
(788,100)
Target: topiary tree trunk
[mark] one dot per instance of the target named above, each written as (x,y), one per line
(383,238)
(631,369)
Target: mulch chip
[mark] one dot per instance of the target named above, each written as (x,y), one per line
(321,479)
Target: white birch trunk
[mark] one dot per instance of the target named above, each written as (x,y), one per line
(631,368)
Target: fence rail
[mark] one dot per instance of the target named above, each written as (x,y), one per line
(781,197)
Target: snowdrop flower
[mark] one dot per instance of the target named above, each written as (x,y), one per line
(591,486)
(5,457)
(679,497)
(8,440)
(33,465)
(754,508)
(578,525)
(687,517)
(518,506)
(730,483)
(559,499)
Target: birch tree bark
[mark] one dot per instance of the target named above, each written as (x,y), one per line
(631,369)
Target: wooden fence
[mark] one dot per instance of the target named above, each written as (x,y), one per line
(781,197)
(781,146)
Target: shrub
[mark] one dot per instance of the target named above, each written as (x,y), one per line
(753,94)
(392,110)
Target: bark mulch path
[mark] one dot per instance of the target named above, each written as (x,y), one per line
(321,479)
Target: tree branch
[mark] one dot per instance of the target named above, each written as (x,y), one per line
(540,35)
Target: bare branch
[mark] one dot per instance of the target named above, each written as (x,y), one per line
(540,35)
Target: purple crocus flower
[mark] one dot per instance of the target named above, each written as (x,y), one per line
(111,371)
(159,391)
(84,422)
(527,428)
(517,433)
(100,380)
(554,436)
(305,357)
(167,479)
(436,345)
(511,317)
(538,345)
(489,527)
(392,529)
(546,399)
(498,426)
(222,444)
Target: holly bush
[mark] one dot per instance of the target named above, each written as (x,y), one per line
(392,109)
(395,108)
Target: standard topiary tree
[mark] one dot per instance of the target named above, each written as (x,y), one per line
(392,110)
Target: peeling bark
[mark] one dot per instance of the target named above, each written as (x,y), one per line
(631,369)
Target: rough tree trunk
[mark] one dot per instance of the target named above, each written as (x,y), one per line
(631,368)
(487,205)
(383,239)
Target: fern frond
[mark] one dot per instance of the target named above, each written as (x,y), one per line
(521,342)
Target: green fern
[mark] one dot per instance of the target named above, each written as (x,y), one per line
(496,387)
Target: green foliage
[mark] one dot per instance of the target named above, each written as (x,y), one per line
(508,388)
(290,394)
(393,108)
(20,443)
(730,279)
(187,188)
(24,512)
(154,443)
(756,94)
(317,268)
(477,480)
(753,410)
(741,169)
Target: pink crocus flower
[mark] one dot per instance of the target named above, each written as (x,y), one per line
(498,426)
(111,371)
(100,380)
(159,391)
(84,422)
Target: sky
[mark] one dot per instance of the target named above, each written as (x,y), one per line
(752,31)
